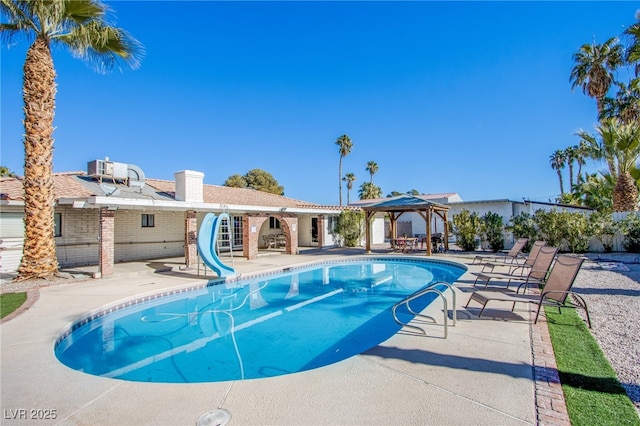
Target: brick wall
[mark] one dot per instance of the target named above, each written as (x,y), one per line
(251,223)
(190,238)
(79,244)
(107,218)
(133,242)
(290,229)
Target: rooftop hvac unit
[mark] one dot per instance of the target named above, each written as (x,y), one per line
(115,171)
(106,168)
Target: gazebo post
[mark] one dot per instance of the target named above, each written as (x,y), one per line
(367,230)
(429,251)
(446,232)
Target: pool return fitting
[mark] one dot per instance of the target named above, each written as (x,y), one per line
(430,289)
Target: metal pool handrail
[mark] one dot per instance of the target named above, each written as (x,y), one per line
(420,293)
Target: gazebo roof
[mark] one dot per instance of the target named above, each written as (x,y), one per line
(399,205)
(404,203)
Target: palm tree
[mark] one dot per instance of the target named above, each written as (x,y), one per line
(595,191)
(372,168)
(571,156)
(582,153)
(79,25)
(626,104)
(558,160)
(5,172)
(369,191)
(633,52)
(349,178)
(344,143)
(595,65)
(619,145)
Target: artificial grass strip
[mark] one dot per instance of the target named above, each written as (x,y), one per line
(9,302)
(591,388)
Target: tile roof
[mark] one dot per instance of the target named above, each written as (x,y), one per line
(79,185)
(11,188)
(237,196)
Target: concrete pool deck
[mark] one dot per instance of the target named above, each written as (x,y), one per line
(488,371)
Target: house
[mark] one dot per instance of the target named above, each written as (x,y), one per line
(113,213)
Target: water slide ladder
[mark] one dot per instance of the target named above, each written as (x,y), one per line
(430,289)
(225,209)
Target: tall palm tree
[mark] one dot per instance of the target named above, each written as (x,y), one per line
(349,178)
(582,154)
(558,160)
(81,26)
(571,155)
(619,145)
(595,65)
(344,143)
(372,168)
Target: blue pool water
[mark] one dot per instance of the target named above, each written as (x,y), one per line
(266,326)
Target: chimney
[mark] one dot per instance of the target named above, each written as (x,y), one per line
(189,186)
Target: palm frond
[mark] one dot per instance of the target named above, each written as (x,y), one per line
(103,46)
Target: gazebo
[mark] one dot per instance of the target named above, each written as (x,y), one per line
(397,206)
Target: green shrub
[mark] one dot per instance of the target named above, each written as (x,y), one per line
(349,227)
(523,226)
(492,227)
(551,227)
(577,231)
(603,227)
(466,228)
(630,228)
(569,231)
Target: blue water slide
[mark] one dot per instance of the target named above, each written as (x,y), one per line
(207,239)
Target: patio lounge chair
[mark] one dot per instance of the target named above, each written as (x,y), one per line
(537,273)
(554,293)
(529,260)
(511,255)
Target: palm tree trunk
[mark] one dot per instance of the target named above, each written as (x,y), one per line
(570,164)
(561,184)
(340,179)
(39,252)
(625,194)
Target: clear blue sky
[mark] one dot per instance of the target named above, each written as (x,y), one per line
(466,97)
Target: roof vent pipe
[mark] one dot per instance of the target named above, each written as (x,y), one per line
(135,176)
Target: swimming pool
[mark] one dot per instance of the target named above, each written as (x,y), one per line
(262,326)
